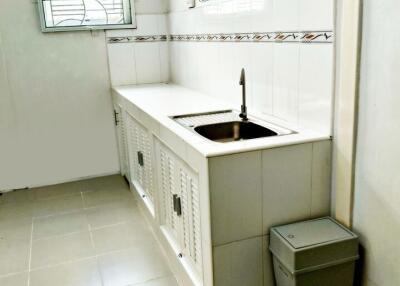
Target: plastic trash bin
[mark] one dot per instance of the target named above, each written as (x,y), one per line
(318,252)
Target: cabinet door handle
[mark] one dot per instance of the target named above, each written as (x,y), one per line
(116,117)
(177,205)
(174,200)
(140,158)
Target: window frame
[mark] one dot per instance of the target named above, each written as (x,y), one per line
(46,29)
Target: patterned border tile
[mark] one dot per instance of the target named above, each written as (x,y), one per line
(152,38)
(272,37)
(279,37)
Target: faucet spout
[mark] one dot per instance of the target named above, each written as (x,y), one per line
(243,109)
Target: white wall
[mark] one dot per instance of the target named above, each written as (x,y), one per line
(292,81)
(56,117)
(377,186)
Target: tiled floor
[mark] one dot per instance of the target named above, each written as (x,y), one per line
(85,233)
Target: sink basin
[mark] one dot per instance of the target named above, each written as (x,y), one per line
(233,131)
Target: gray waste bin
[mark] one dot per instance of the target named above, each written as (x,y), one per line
(318,252)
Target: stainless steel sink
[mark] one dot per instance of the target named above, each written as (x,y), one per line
(227,126)
(233,131)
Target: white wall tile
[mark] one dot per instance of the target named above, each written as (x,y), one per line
(262,76)
(316,87)
(263,16)
(151,6)
(316,15)
(177,5)
(286,174)
(286,15)
(285,85)
(148,24)
(239,263)
(163,28)
(164,61)
(229,191)
(148,66)
(121,60)
(321,178)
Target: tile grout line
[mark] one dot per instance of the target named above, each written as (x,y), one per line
(92,242)
(30,255)
(79,259)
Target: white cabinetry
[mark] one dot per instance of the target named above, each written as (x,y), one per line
(139,142)
(180,205)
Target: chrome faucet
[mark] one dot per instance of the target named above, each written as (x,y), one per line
(242,82)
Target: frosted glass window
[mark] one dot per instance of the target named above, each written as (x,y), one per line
(63,15)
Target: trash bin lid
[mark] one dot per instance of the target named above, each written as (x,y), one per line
(314,232)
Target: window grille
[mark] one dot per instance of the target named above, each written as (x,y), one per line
(64,15)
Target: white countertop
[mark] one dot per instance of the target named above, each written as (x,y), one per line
(160,101)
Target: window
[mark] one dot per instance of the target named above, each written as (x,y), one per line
(65,15)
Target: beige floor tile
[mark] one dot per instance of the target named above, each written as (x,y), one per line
(136,265)
(106,197)
(15,228)
(59,249)
(14,256)
(113,213)
(80,273)
(122,236)
(20,279)
(59,190)
(18,196)
(16,210)
(58,205)
(59,224)
(114,182)
(165,281)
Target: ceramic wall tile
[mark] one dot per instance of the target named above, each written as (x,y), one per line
(262,19)
(148,64)
(321,178)
(316,15)
(164,62)
(141,55)
(239,263)
(316,87)
(151,6)
(229,192)
(290,167)
(285,83)
(262,65)
(219,32)
(286,15)
(121,60)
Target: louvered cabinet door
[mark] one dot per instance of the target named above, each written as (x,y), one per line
(145,147)
(133,148)
(124,145)
(168,174)
(191,228)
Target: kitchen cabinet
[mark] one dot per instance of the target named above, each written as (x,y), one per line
(180,204)
(140,159)
(210,209)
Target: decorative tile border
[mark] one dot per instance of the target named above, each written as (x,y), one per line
(273,37)
(152,38)
(278,37)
